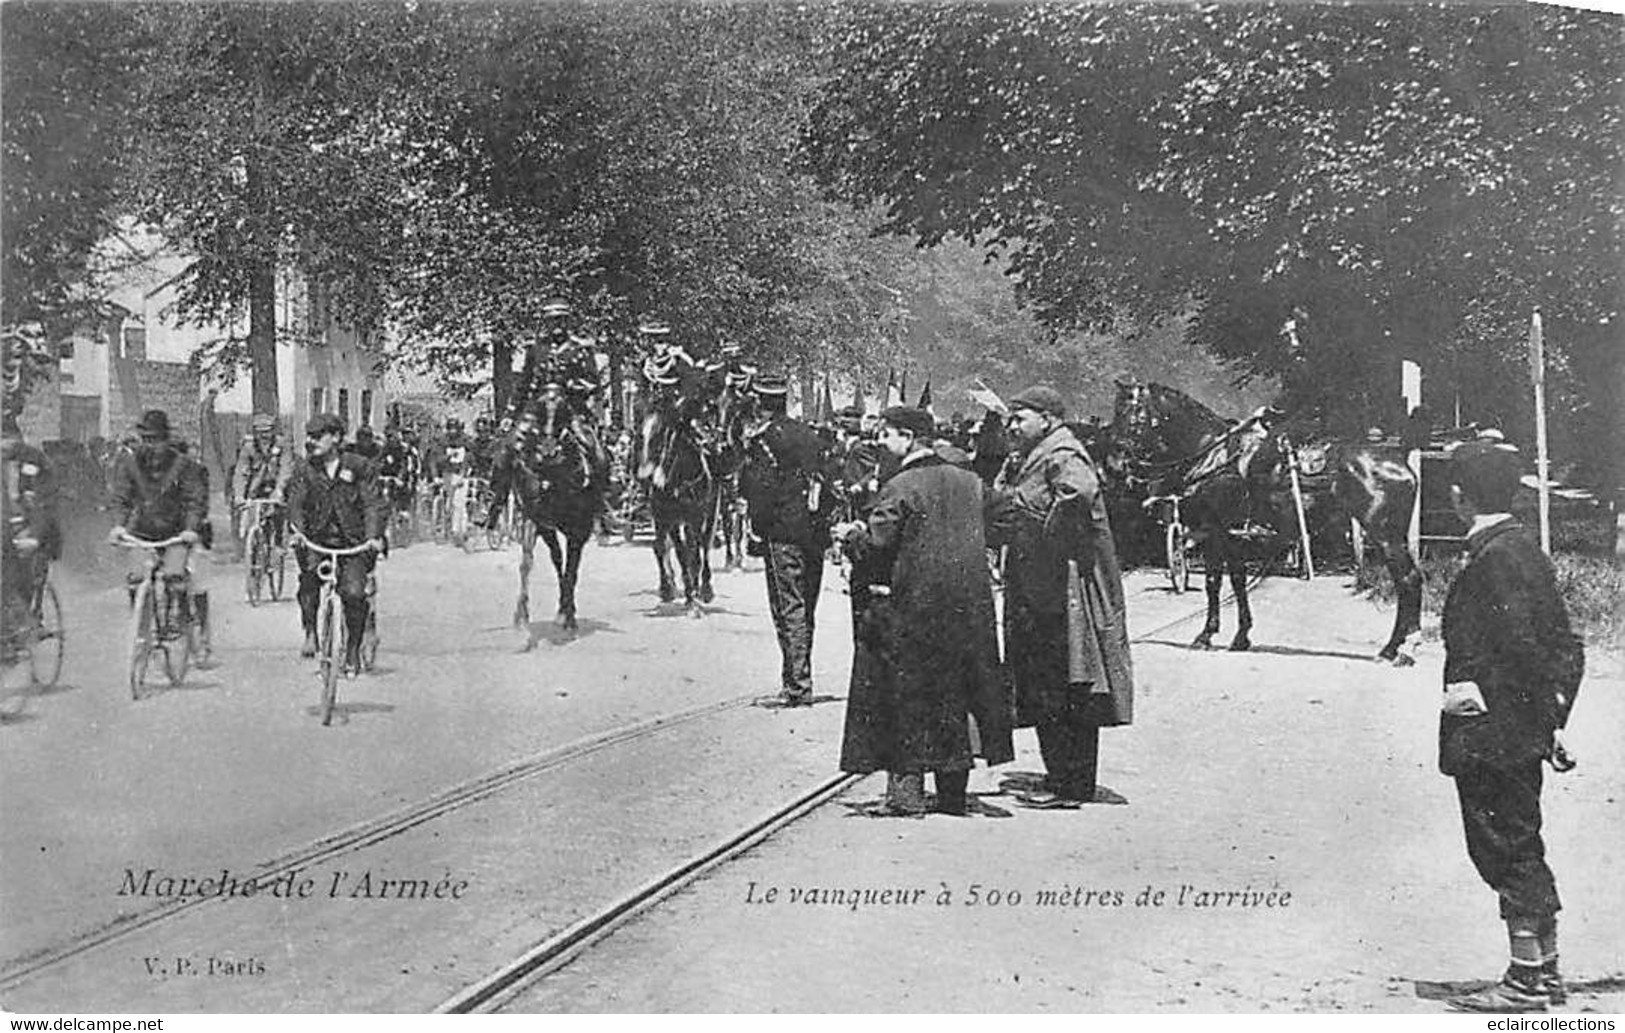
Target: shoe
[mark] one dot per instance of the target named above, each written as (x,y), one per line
(1511,994)
(785,700)
(352,658)
(1043,800)
(310,647)
(1551,981)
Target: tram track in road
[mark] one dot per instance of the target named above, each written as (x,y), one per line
(366,833)
(522,974)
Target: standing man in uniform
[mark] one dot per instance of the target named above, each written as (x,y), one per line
(926,652)
(1072,671)
(783,483)
(1512,669)
(333,501)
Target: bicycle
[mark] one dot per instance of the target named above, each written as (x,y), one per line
(402,508)
(162,617)
(333,631)
(477,496)
(1176,541)
(40,642)
(267,558)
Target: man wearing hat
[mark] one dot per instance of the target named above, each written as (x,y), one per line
(261,472)
(925,651)
(1512,669)
(1066,642)
(783,483)
(160,492)
(31,537)
(333,500)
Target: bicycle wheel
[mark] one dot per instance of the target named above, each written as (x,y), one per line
(1179,571)
(181,630)
(254,577)
(369,638)
(276,569)
(141,638)
(329,626)
(45,655)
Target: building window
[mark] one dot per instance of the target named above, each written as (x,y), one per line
(317,397)
(135,342)
(344,405)
(366,407)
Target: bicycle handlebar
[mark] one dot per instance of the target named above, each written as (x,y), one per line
(130,541)
(353,550)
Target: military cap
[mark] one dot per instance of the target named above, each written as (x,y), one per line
(324,423)
(556,308)
(154,421)
(771,384)
(264,421)
(1040,398)
(653,328)
(916,421)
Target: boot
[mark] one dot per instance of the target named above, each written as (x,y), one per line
(311,645)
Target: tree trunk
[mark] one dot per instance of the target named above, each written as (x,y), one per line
(805,373)
(262,304)
(502,375)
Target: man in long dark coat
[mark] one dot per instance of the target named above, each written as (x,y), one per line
(926,659)
(1072,671)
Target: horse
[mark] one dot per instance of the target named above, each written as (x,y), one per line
(735,407)
(549,476)
(682,484)
(1169,442)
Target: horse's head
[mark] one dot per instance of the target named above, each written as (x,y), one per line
(545,422)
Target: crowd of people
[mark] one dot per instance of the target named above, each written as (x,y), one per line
(931,532)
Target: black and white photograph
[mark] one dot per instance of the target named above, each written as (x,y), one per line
(756,507)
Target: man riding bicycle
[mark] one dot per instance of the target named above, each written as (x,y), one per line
(31,537)
(262,471)
(160,492)
(333,501)
(397,471)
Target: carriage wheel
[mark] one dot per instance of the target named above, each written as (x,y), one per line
(45,654)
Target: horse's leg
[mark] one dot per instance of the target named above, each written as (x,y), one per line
(707,536)
(692,545)
(1396,556)
(1244,611)
(663,537)
(1213,557)
(527,557)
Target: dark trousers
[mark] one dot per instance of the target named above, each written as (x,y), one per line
(1069,742)
(794,575)
(353,571)
(1500,811)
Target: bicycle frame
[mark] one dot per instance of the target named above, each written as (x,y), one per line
(157,600)
(332,630)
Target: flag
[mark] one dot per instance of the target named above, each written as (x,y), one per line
(1537,350)
(826,404)
(984,396)
(902,388)
(925,398)
(857,395)
(892,396)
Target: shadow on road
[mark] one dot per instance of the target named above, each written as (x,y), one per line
(342,711)
(555,635)
(668,610)
(1326,654)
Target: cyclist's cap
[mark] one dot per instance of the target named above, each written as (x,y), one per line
(556,308)
(154,421)
(363,433)
(1040,398)
(324,423)
(264,421)
(653,328)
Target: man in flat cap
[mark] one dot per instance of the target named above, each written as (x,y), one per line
(925,652)
(783,481)
(1066,644)
(1512,669)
